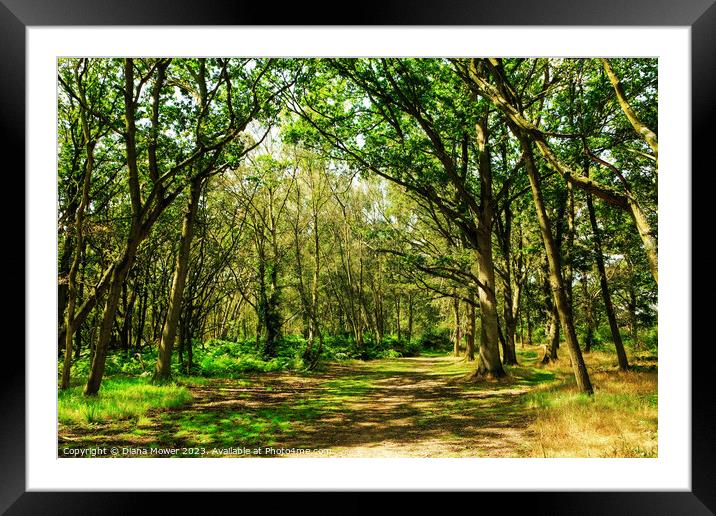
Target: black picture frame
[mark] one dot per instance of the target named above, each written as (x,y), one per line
(17,15)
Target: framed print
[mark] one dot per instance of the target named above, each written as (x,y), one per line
(296,263)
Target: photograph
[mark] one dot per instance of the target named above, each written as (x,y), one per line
(357,257)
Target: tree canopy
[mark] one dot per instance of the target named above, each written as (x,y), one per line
(355,207)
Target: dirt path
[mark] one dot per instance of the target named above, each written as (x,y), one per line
(411,407)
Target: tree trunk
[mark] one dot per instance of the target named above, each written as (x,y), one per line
(121,267)
(181,344)
(114,291)
(588,314)
(489,363)
(306,328)
(186,336)
(397,316)
(63,271)
(556,282)
(647,237)
(606,296)
(162,370)
(552,336)
(189,352)
(78,329)
(551,331)
(569,247)
(510,329)
(458,329)
(273,316)
(642,130)
(315,326)
(410,317)
(471,327)
(528,313)
(70,326)
(261,294)
(128,307)
(504,235)
(633,325)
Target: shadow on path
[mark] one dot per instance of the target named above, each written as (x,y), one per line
(412,407)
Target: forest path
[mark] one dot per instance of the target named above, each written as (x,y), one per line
(409,407)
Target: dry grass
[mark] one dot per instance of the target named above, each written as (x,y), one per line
(620,420)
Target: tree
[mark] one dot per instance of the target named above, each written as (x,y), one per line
(381,115)
(314,178)
(166,162)
(604,287)
(90,135)
(363,205)
(502,95)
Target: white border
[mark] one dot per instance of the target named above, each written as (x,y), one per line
(670,471)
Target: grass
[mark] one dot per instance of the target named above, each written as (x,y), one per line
(243,428)
(423,406)
(619,420)
(119,398)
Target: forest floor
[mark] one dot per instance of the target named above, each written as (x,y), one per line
(411,407)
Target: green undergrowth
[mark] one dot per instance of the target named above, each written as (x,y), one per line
(233,359)
(119,398)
